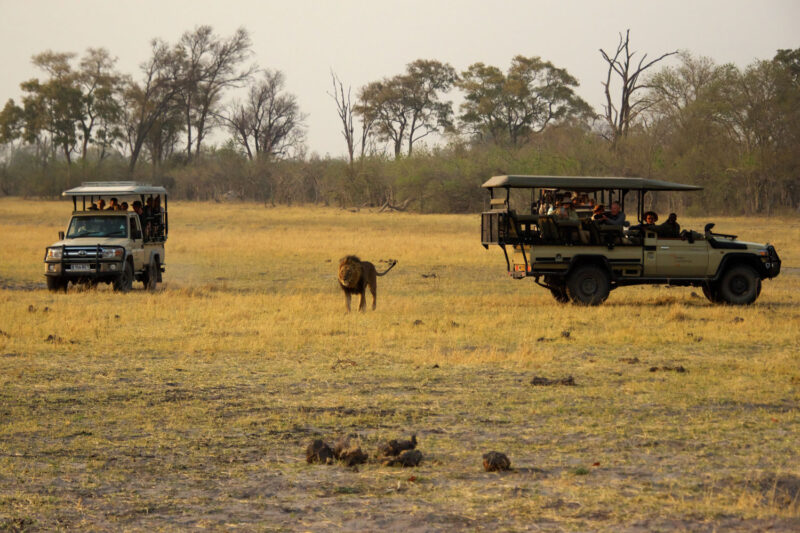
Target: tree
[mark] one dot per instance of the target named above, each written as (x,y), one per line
(508,108)
(148,103)
(101,88)
(269,124)
(51,107)
(407,107)
(209,65)
(619,117)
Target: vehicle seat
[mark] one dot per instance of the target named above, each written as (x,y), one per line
(549,229)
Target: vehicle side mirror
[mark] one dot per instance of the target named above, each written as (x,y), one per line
(708,228)
(60,235)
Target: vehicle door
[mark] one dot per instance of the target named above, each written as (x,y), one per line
(137,242)
(649,241)
(676,258)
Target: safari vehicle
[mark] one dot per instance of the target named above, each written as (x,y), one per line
(110,246)
(580,260)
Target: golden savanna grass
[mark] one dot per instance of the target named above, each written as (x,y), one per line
(192,407)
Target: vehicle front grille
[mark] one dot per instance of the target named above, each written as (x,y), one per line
(79,253)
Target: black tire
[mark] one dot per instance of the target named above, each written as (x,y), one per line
(124,281)
(739,285)
(151,276)
(711,292)
(55,284)
(588,285)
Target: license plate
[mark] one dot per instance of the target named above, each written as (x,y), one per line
(79,266)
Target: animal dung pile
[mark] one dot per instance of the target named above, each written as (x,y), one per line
(495,462)
(349,454)
(400,452)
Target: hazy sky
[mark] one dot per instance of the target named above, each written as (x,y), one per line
(363,41)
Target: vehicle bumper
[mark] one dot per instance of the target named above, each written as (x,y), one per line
(773,262)
(102,270)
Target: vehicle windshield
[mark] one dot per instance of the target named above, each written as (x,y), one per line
(100,226)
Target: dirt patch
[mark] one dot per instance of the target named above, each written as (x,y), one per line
(666,368)
(540,381)
(782,491)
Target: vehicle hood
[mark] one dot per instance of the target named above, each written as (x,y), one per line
(93,241)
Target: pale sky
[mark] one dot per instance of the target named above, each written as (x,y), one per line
(363,41)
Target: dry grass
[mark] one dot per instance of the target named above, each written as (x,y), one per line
(192,407)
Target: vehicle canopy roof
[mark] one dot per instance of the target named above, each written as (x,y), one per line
(114,188)
(585,183)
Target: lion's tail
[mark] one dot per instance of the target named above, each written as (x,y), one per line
(387,270)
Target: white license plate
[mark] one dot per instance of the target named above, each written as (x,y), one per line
(80,266)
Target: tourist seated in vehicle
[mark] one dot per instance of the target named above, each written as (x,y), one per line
(615,217)
(123,206)
(670,228)
(101,205)
(648,222)
(568,211)
(599,212)
(113,205)
(93,207)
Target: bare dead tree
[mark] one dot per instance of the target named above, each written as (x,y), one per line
(620,118)
(345,111)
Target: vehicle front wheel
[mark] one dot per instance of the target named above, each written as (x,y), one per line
(588,285)
(55,284)
(124,281)
(740,285)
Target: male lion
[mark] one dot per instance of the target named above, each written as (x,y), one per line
(354,277)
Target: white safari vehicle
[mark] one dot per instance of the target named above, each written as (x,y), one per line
(109,244)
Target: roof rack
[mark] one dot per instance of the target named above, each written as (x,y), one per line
(586,183)
(114,188)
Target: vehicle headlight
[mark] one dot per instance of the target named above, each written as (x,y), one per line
(111,253)
(54,253)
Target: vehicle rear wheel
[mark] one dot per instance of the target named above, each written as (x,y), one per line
(55,284)
(124,281)
(739,285)
(711,292)
(588,285)
(151,278)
